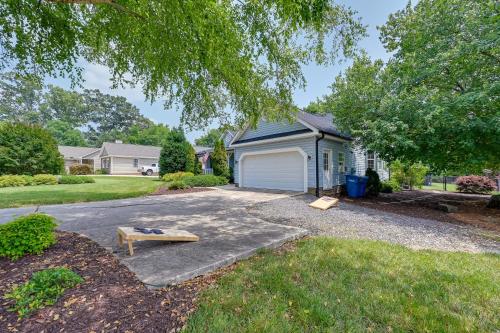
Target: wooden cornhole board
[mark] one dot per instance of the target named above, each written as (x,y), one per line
(324,203)
(172,235)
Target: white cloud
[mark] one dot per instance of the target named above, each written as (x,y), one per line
(99,77)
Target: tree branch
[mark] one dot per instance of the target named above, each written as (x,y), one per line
(112,3)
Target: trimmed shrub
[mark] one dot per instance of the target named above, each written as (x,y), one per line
(44,179)
(494,201)
(28,179)
(205,180)
(178,185)
(44,288)
(27,234)
(80,169)
(101,172)
(13,181)
(373,185)
(76,180)
(28,150)
(475,184)
(171,177)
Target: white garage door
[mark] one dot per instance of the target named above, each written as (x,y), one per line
(282,171)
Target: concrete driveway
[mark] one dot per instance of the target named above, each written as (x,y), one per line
(219,217)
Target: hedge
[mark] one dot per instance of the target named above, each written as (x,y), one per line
(205,181)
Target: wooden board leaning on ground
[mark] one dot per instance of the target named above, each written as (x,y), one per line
(324,203)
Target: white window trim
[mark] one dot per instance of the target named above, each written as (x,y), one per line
(272,151)
(330,167)
(343,170)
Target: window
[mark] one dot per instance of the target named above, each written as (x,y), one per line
(380,165)
(370,160)
(153,165)
(136,162)
(341,162)
(106,163)
(326,161)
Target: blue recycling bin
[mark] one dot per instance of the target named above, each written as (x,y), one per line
(356,185)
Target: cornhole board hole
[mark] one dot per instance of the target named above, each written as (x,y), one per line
(324,203)
(129,235)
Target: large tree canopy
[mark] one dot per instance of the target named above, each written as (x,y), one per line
(64,113)
(437,100)
(202,54)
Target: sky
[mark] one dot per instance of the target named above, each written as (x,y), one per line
(373,13)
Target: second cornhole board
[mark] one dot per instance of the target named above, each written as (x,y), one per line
(171,235)
(324,203)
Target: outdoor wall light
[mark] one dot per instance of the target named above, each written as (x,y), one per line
(309,157)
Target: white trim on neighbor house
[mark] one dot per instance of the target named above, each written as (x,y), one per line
(272,151)
(129,156)
(282,138)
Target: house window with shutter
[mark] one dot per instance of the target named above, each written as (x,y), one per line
(136,162)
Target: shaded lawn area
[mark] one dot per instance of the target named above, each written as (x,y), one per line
(332,285)
(449,188)
(105,188)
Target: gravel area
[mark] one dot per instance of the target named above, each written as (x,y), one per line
(354,221)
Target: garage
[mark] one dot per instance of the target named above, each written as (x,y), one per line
(280,170)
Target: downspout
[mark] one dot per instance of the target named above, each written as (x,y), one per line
(317,162)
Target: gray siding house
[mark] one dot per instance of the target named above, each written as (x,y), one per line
(309,155)
(79,155)
(123,158)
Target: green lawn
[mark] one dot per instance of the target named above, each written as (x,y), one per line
(439,187)
(333,285)
(449,188)
(105,188)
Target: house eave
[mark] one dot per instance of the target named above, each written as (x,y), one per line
(278,139)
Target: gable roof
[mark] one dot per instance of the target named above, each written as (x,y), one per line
(130,150)
(323,123)
(202,149)
(70,152)
(315,123)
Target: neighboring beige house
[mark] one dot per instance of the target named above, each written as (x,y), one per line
(123,158)
(80,155)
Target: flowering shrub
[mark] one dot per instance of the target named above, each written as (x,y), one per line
(475,184)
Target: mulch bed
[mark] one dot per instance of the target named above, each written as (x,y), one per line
(111,299)
(471,209)
(165,191)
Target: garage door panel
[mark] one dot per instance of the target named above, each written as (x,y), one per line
(283,171)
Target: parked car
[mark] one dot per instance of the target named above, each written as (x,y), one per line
(149,170)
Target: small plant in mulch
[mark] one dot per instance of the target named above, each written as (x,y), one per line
(27,234)
(43,289)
